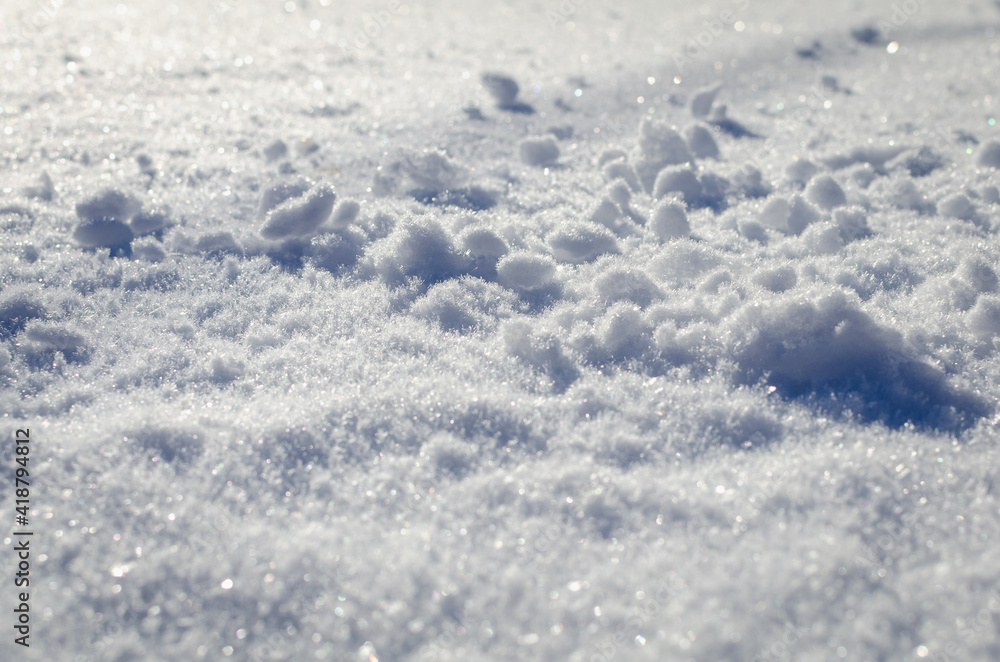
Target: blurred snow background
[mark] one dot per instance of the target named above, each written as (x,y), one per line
(574,330)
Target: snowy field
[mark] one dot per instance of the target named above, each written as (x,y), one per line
(435,330)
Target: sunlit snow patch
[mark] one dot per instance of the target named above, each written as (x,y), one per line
(299,217)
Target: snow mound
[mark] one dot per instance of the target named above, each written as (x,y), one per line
(279,192)
(421,171)
(539,151)
(624,284)
(226,369)
(525,271)
(830,348)
(977,272)
(420,249)
(430,177)
(542,351)
(451,457)
(102,233)
(18,306)
(702,142)
(621,334)
(344,214)
(702,100)
(620,169)
(150,221)
(300,217)
(148,250)
(581,242)
(659,145)
(825,193)
(483,242)
(984,318)
(789,216)
(905,195)
(678,179)
(502,88)
(918,162)
(669,221)
(800,171)
(958,206)
(874,155)
(275,150)
(51,336)
(336,251)
(683,261)
(609,214)
(465,305)
(851,223)
(989,155)
(43,190)
(217,242)
(778,279)
(108,204)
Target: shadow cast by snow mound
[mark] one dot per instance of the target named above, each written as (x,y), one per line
(473,198)
(832,355)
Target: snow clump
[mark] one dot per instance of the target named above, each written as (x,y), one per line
(300,217)
(539,151)
(669,221)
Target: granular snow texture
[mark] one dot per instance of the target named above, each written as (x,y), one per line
(353,330)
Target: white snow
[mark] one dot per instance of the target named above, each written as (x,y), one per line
(989,154)
(788,215)
(504,89)
(659,146)
(526,271)
(679,179)
(150,221)
(539,151)
(701,142)
(108,204)
(959,206)
(567,330)
(299,217)
(669,220)
(345,213)
(96,232)
(702,100)
(825,193)
(581,242)
(52,336)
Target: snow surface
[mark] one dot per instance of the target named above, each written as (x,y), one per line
(570,330)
